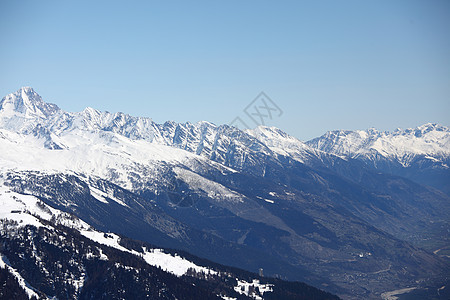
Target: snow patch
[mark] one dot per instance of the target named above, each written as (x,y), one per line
(393,294)
(249,288)
(97,194)
(154,257)
(24,208)
(102,196)
(172,264)
(4,264)
(267,200)
(213,189)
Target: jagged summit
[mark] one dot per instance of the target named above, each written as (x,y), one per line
(26,103)
(277,139)
(423,129)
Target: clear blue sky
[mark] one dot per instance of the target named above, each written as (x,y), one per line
(326,64)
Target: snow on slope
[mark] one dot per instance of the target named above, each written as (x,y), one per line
(173,264)
(101,196)
(281,143)
(155,257)
(213,189)
(106,155)
(24,208)
(29,290)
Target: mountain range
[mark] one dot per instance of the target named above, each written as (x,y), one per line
(361,214)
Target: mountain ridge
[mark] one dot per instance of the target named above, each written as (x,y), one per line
(436,137)
(436,141)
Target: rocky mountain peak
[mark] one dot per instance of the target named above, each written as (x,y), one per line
(27,103)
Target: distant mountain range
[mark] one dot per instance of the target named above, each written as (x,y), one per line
(355,213)
(420,154)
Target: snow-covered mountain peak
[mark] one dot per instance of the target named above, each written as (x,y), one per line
(26,103)
(282,143)
(90,118)
(270,133)
(90,111)
(205,124)
(372,131)
(424,129)
(430,132)
(402,144)
(431,126)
